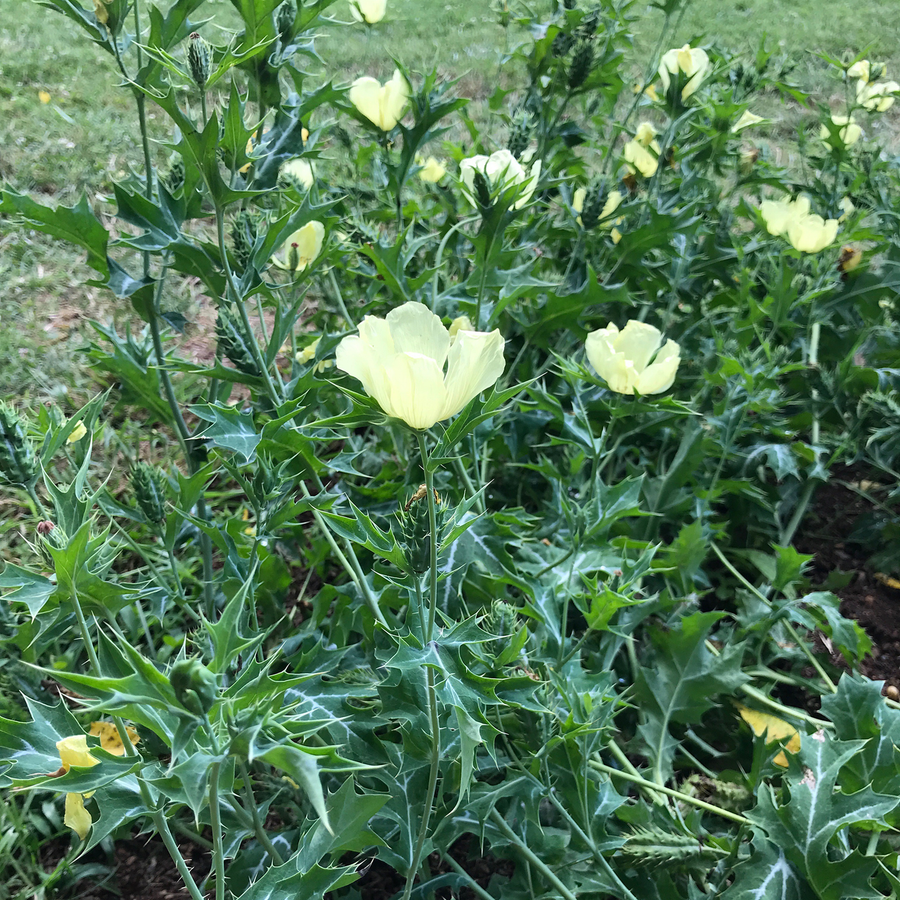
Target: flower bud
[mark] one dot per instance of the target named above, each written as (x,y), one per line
(416,531)
(482,190)
(199,60)
(50,535)
(173,179)
(244,232)
(149,485)
(562,44)
(284,20)
(582,60)
(519,137)
(194,685)
(232,345)
(17,461)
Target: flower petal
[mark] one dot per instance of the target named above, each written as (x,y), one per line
(417,389)
(77,817)
(365,95)
(73,751)
(476,362)
(367,363)
(660,374)
(416,329)
(638,341)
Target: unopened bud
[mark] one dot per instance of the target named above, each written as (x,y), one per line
(582,60)
(244,233)
(293,259)
(482,190)
(17,461)
(232,345)
(173,180)
(149,485)
(50,536)
(284,20)
(199,58)
(195,686)
(519,137)
(562,44)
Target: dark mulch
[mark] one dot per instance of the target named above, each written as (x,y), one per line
(826,533)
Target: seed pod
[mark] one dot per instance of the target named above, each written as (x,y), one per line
(195,686)
(482,190)
(562,44)
(17,461)
(199,57)
(231,343)
(284,20)
(149,486)
(173,180)
(519,137)
(244,232)
(50,535)
(593,204)
(582,60)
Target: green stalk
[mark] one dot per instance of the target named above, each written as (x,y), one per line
(788,625)
(259,830)
(433,537)
(567,599)
(530,856)
(628,766)
(473,884)
(435,287)
(216,825)
(431,790)
(658,788)
(340,299)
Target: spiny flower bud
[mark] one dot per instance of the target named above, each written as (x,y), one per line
(562,44)
(482,189)
(593,204)
(582,60)
(519,137)
(244,232)
(149,485)
(199,57)
(232,344)
(50,536)
(416,530)
(173,180)
(17,461)
(194,685)
(284,20)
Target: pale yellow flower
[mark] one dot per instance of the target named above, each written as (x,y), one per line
(876,97)
(692,63)
(300,172)
(645,133)
(747,120)
(502,170)
(308,353)
(368,11)
(640,158)
(73,751)
(778,214)
(623,358)
(301,248)
(400,361)
(847,208)
(382,104)
(806,231)
(860,70)
(78,432)
(849,132)
(432,170)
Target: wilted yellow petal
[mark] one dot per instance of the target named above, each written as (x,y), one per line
(73,751)
(774,729)
(78,432)
(109,737)
(77,817)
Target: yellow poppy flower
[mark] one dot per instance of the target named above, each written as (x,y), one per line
(382,104)
(622,358)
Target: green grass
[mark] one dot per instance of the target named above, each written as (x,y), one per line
(85,137)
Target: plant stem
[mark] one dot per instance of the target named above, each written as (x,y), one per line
(567,599)
(788,625)
(626,764)
(471,490)
(39,507)
(433,537)
(216,825)
(340,298)
(261,834)
(473,884)
(527,852)
(685,798)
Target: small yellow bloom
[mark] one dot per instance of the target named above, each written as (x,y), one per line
(432,170)
(43,96)
(502,170)
(640,158)
(308,353)
(645,133)
(690,63)
(299,172)
(622,358)
(301,248)
(73,751)
(849,132)
(368,11)
(78,432)
(860,70)
(876,97)
(747,120)
(400,361)
(460,323)
(382,105)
